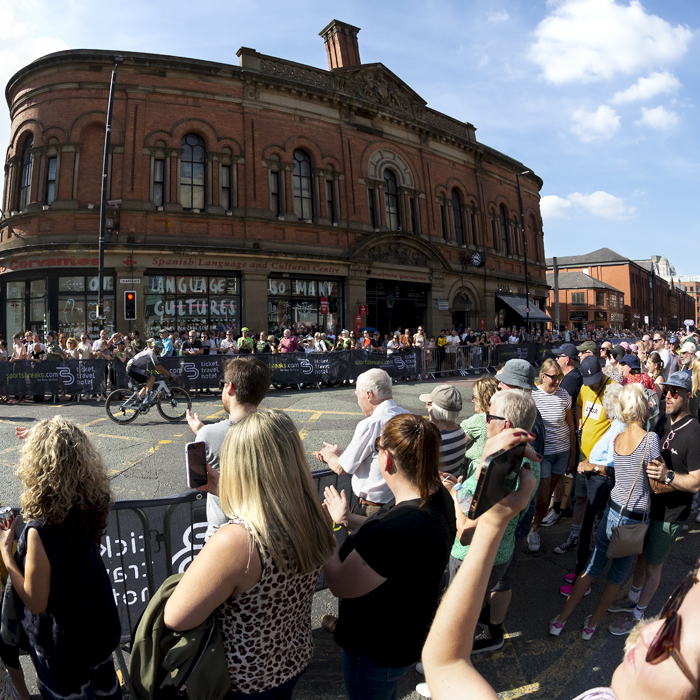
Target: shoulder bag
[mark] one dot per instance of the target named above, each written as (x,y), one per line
(628,540)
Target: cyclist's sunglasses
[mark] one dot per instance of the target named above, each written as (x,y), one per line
(667,639)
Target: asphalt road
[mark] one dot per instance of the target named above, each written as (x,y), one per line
(146,460)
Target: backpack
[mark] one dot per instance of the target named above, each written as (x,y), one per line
(168,664)
(652,399)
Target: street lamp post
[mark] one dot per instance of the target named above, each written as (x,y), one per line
(103,198)
(522,230)
(467,308)
(390,300)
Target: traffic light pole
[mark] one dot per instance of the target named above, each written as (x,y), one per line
(103,199)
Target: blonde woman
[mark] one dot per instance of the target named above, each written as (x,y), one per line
(629,501)
(69,614)
(271,550)
(554,405)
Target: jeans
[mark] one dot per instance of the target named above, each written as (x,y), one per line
(281,692)
(366,680)
(598,491)
(598,560)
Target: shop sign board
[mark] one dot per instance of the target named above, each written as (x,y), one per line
(324,306)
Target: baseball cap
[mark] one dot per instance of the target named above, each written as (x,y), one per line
(632,361)
(163,330)
(588,346)
(518,373)
(590,371)
(618,352)
(566,350)
(445,396)
(245,329)
(683,380)
(689,346)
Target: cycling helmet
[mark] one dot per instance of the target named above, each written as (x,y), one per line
(157,344)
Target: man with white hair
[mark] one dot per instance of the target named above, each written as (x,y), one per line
(375,398)
(361,459)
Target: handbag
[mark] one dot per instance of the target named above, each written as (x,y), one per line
(628,540)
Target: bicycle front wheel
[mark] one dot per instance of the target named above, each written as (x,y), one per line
(120,406)
(175,407)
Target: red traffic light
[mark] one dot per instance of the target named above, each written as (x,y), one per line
(130,296)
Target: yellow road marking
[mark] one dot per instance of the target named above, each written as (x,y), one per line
(315,416)
(10,449)
(120,437)
(303,433)
(519,692)
(164,442)
(314,410)
(222,412)
(92,422)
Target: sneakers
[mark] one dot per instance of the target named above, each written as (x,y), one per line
(550,519)
(587,632)
(329,622)
(484,642)
(566,590)
(533,542)
(623,606)
(570,578)
(624,626)
(555,627)
(420,669)
(568,546)
(422,690)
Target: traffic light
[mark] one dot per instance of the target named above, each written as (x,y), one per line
(130,306)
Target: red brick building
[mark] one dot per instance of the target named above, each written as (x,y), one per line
(649,300)
(264,194)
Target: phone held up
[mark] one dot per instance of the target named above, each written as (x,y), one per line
(498,477)
(196,456)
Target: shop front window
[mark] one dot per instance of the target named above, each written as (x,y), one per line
(304,304)
(14,308)
(192,302)
(77,305)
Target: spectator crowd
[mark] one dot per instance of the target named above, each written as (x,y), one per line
(615,434)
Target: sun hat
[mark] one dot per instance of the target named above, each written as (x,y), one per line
(445,396)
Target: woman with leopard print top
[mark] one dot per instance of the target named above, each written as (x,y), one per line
(259,572)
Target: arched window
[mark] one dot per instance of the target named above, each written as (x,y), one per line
(25,174)
(505,243)
(457,217)
(192,180)
(391,201)
(302,186)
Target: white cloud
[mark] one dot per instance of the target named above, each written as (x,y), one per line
(657,118)
(553,207)
(595,126)
(587,40)
(498,16)
(602,204)
(599,203)
(646,88)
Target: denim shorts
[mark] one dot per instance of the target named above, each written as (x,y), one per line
(593,486)
(366,680)
(598,559)
(660,539)
(554,464)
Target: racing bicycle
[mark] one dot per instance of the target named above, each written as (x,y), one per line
(125,405)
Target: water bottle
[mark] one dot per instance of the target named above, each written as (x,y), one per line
(463,496)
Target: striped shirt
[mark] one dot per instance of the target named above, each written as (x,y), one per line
(597,694)
(452,449)
(553,408)
(626,469)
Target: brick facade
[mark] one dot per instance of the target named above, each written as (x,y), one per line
(354,123)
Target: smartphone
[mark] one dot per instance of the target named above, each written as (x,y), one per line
(196,456)
(497,478)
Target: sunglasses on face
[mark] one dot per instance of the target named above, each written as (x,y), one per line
(554,377)
(490,417)
(667,639)
(378,443)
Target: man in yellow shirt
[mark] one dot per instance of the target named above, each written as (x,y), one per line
(591,489)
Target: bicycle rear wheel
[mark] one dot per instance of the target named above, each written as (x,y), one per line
(175,407)
(120,408)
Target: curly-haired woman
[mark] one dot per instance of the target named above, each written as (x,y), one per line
(69,614)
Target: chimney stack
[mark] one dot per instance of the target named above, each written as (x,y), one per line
(341,44)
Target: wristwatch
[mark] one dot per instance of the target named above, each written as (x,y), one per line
(670,476)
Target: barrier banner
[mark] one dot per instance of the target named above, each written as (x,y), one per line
(522,351)
(28,378)
(205,371)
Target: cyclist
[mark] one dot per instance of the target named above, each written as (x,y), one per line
(142,369)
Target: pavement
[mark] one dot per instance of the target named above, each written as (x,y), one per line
(146,460)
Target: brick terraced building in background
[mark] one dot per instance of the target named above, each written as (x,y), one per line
(266,194)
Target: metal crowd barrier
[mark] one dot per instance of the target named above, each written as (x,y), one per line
(462,360)
(148,540)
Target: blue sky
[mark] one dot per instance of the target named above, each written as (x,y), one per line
(596,96)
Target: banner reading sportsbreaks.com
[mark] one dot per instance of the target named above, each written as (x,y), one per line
(205,371)
(28,378)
